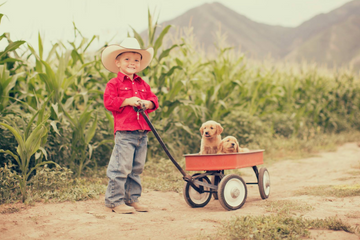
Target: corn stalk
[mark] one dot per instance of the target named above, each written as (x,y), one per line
(29,143)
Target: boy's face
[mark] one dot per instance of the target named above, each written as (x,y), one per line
(128,63)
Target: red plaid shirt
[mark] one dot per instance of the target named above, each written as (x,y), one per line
(120,88)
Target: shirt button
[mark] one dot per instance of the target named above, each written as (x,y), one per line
(125,88)
(135,92)
(133,82)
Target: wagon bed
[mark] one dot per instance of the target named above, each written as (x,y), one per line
(210,162)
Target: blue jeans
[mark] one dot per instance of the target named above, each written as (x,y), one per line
(126,164)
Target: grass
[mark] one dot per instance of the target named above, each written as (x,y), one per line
(280,148)
(55,185)
(354,173)
(9,210)
(286,207)
(339,191)
(355,214)
(163,176)
(276,227)
(75,190)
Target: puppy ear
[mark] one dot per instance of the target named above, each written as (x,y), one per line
(220,147)
(202,129)
(237,149)
(219,128)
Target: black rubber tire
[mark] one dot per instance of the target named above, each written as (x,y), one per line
(195,199)
(264,183)
(232,192)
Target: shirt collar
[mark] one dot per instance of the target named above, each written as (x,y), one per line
(122,77)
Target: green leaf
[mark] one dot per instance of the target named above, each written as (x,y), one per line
(16,134)
(64,108)
(139,38)
(12,154)
(90,150)
(41,50)
(48,82)
(33,143)
(43,152)
(91,132)
(85,118)
(159,40)
(166,52)
(10,60)
(75,55)
(37,166)
(11,47)
(28,127)
(54,127)
(110,119)
(51,52)
(175,90)
(51,75)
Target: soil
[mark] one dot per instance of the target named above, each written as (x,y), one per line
(171,218)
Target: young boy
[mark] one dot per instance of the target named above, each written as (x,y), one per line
(123,93)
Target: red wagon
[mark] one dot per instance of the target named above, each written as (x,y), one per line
(230,190)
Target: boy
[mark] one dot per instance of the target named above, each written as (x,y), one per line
(121,94)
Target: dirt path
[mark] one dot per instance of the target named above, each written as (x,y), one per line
(171,218)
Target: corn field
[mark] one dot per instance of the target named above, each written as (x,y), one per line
(51,104)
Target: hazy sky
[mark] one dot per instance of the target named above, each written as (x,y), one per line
(24,19)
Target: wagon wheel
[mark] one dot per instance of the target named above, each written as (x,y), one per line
(195,199)
(264,183)
(232,192)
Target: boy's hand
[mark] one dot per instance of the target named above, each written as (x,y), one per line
(147,104)
(133,101)
(136,102)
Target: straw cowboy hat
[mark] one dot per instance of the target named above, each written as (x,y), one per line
(110,53)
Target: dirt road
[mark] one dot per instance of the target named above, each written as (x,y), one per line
(171,218)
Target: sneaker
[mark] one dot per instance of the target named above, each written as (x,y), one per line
(138,207)
(123,209)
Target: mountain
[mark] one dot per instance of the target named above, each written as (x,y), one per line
(332,39)
(256,39)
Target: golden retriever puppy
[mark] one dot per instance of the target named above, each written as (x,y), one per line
(210,137)
(228,145)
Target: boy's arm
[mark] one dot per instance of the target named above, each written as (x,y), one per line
(112,101)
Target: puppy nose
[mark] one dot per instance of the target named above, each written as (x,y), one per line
(206,132)
(232,144)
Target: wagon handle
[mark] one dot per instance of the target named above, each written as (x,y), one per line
(141,110)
